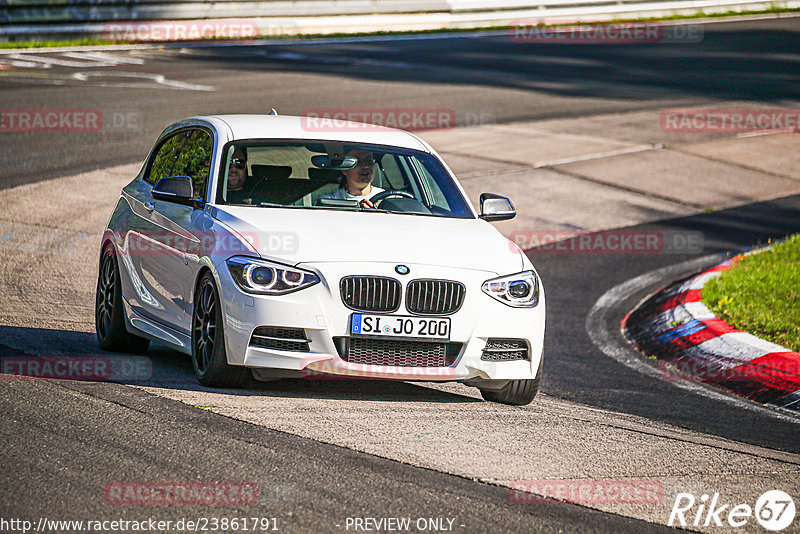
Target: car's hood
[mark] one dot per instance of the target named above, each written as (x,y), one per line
(293,236)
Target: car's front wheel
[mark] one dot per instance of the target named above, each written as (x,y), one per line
(209,357)
(109,320)
(516,392)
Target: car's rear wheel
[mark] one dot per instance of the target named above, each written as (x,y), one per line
(109,320)
(209,357)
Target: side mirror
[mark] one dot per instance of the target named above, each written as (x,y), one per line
(177,189)
(496,208)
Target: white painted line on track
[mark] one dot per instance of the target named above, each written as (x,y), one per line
(596,328)
(48,62)
(20,64)
(598,155)
(157,78)
(104,57)
(743,135)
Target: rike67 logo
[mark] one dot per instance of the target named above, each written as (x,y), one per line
(774,510)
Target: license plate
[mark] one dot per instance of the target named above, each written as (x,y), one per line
(407,327)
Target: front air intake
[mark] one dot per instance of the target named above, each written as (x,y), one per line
(505,350)
(280,338)
(397,353)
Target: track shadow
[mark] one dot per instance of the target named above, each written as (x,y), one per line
(753,61)
(66,355)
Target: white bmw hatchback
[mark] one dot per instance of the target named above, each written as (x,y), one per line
(264,247)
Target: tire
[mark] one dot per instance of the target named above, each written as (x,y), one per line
(516,392)
(109,321)
(209,357)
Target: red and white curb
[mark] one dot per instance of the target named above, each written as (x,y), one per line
(691,343)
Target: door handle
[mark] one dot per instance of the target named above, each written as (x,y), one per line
(149,206)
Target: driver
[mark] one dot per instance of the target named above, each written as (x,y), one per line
(356,183)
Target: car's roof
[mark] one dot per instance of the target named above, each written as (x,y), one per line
(290,127)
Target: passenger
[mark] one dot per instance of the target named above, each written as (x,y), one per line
(237,177)
(356,183)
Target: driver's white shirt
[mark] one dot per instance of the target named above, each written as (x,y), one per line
(342,194)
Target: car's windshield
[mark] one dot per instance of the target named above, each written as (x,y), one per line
(336,175)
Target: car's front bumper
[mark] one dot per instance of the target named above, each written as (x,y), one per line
(320,312)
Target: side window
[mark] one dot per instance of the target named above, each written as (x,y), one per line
(165,158)
(194,160)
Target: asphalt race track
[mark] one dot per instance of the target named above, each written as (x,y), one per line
(64,441)
(508,80)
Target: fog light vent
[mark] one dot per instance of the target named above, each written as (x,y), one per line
(499,349)
(280,338)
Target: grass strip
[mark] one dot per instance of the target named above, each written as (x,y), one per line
(760,294)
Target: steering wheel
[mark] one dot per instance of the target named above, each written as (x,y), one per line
(392,193)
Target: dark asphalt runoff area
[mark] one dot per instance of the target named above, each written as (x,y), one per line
(63,441)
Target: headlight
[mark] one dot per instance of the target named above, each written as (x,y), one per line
(268,278)
(518,290)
